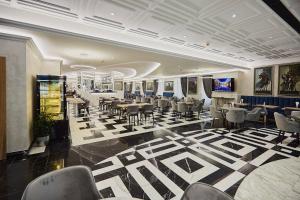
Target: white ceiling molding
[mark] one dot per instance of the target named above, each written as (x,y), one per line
(174,26)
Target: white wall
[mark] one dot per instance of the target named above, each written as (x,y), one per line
(23,63)
(34,64)
(51,67)
(17,136)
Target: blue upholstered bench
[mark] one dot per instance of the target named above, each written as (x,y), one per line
(168,94)
(277,101)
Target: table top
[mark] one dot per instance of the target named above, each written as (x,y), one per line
(267,106)
(278,180)
(241,104)
(291,108)
(233,108)
(75,100)
(132,104)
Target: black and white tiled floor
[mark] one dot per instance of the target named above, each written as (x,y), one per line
(162,168)
(101,126)
(151,161)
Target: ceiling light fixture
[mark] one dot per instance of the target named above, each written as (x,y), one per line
(234,16)
(270,37)
(184,36)
(82,67)
(112,13)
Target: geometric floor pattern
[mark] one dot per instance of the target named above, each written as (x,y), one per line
(163,167)
(100,126)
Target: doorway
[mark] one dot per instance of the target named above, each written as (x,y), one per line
(2,108)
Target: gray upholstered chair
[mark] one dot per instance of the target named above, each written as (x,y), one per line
(162,105)
(148,111)
(144,100)
(215,113)
(202,191)
(236,117)
(138,99)
(295,114)
(76,183)
(182,109)
(284,124)
(174,108)
(254,115)
(198,107)
(133,111)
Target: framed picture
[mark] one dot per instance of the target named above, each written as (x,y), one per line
(118,85)
(192,85)
(137,86)
(169,86)
(263,81)
(149,86)
(289,80)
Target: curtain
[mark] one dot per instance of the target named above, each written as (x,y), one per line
(155,88)
(177,88)
(184,85)
(144,87)
(207,84)
(131,89)
(160,88)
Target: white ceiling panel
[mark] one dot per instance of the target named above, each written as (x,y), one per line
(237,32)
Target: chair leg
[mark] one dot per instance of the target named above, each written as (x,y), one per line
(153,118)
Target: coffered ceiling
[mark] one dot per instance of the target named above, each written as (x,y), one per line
(244,33)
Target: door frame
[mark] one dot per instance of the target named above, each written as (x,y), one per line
(2,108)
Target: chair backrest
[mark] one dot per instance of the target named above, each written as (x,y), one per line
(281,121)
(295,113)
(137,99)
(132,109)
(174,105)
(214,112)
(182,107)
(236,116)
(143,100)
(76,183)
(202,191)
(162,103)
(148,107)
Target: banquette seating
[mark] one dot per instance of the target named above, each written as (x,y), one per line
(277,101)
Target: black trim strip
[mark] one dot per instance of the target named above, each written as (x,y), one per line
(278,7)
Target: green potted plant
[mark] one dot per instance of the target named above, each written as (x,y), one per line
(43,125)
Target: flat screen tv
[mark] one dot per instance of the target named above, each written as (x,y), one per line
(223,85)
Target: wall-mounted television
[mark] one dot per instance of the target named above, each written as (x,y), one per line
(223,85)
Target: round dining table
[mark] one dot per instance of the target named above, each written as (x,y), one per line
(277,180)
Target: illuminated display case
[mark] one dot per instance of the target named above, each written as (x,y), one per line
(51,96)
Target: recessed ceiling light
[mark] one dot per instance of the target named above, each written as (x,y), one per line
(184,36)
(234,16)
(270,37)
(112,13)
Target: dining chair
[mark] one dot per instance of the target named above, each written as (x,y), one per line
(133,111)
(182,109)
(236,117)
(137,99)
(198,107)
(143,100)
(162,105)
(148,110)
(295,114)
(174,108)
(253,116)
(76,183)
(216,114)
(284,124)
(202,191)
